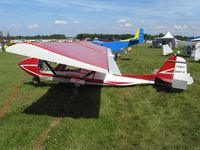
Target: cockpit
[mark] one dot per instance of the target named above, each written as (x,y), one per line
(63,70)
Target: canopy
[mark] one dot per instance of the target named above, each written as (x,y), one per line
(168,36)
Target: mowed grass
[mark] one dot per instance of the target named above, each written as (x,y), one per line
(136,117)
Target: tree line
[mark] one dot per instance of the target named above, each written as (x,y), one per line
(111,37)
(82,36)
(53,36)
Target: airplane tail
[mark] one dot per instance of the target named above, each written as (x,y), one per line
(174,73)
(139,36)
(167,50)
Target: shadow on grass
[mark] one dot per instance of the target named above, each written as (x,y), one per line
(184,55)
(67,100)
(193,61)
(63,100)
(162,86)
(125,59)
(166,89)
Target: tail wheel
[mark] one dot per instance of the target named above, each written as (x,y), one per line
(36,80)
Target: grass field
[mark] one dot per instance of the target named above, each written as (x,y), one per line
(137,117)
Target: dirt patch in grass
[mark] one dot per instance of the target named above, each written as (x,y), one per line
(38,143)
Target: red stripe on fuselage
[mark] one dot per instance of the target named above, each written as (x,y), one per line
(166,72)
(144,77)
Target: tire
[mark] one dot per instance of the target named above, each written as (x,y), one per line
(36,80)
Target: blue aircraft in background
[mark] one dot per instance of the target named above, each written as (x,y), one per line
(118,47)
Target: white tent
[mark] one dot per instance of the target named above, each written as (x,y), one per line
(167,39)
(168,36)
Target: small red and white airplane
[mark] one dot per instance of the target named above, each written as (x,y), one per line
(94,64)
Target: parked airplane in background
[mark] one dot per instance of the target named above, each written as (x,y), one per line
(197,39)
(118,47)
(91,64)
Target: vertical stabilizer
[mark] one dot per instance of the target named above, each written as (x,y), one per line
(181,78)
(138,38)
(174,72)
(141,35)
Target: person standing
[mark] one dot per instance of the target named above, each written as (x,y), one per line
(4,46)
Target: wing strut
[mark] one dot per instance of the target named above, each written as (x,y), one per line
(87,75)
(49,66)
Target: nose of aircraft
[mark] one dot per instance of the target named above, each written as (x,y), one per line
(28,61)
(30,65)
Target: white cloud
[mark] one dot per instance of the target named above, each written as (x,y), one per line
(121,21)
(14,27)
(124,23)
(60,22)
(60,3)
(89,5)
(86,5)
(76,21)
(33,26)
(127,24)
(161,27)
(180,27)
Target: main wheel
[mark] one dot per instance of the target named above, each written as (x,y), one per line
(36,80)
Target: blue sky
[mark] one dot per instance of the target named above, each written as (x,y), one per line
(71,17)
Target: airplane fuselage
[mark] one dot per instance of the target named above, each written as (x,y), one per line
(42,71)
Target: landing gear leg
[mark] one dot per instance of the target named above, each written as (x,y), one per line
(36,80)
